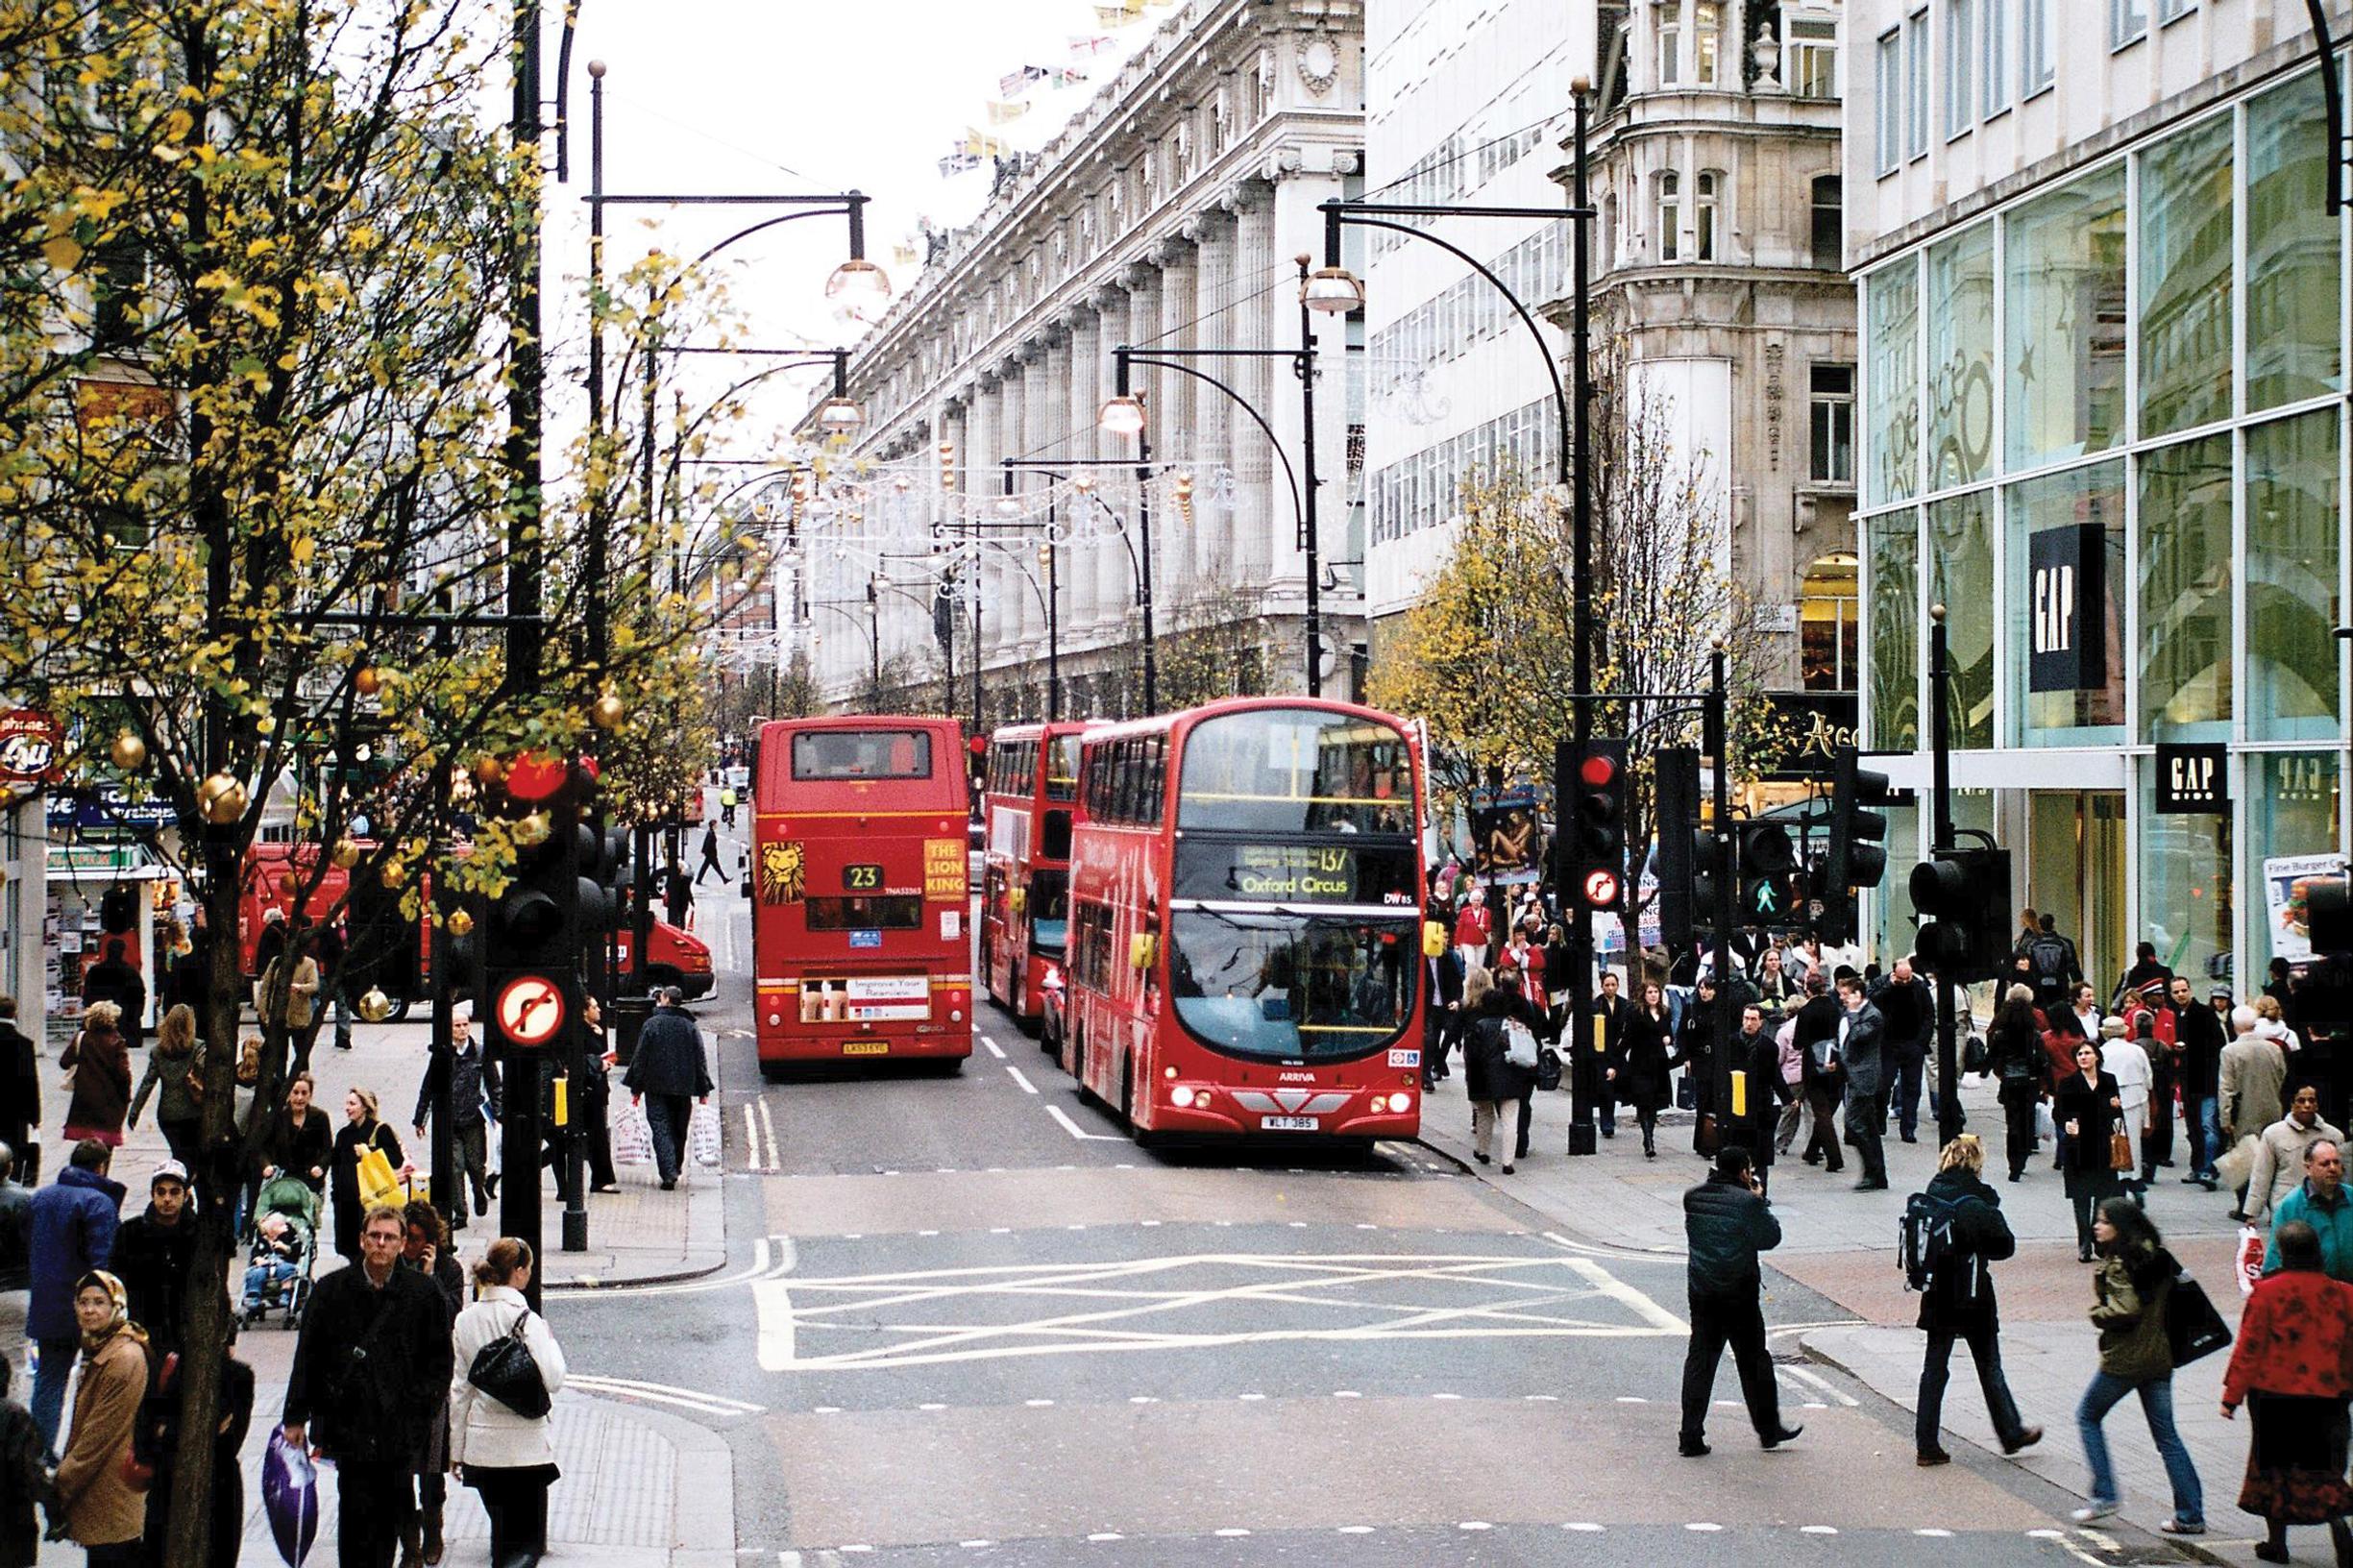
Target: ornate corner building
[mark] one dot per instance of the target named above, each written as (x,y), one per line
(1167,216)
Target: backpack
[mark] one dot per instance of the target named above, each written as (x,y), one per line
(1931,1255)
(2049,956)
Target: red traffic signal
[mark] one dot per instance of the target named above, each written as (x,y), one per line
(1598,771)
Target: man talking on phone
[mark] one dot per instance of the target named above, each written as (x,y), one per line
(1727,1223)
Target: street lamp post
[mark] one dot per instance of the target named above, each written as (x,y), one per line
(1123,415)
(1332,288)
(1053,627)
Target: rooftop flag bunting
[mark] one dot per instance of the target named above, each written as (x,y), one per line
(1000,112)
(1068,76)
(957,162)
(1014,84)
(1117,15)
(1082,48)
(980,145)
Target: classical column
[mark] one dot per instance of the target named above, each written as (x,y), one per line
(1261,503)
(1209,537)
(1107,561)
(1081,604)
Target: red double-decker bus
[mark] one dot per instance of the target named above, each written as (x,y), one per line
(860,891)
(1245,894)
(1029,804)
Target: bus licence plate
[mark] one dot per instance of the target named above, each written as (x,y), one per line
(865,1047)
(1290,1124)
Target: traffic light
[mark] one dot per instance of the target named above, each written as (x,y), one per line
(531,947)
(1768,876)
(1676,797)
(1962,900)
(1858,855)
(1591,783)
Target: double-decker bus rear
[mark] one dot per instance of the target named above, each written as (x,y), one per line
(860,892)
(1030,803)
(1245,927)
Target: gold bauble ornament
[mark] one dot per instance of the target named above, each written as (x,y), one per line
(488,770)
(367,681)
(607,712)
(375,1005)
(129,752)
(394,875)
(532,831)
(221,798)
(345,853)
(459,922)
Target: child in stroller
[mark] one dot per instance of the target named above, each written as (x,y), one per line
(284,1250)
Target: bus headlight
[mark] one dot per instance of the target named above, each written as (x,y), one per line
(1182,1097)
(1399,1103)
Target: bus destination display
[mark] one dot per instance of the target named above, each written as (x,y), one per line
(1296,873)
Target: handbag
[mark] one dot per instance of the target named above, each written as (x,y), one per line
(1548,1070)
(2193,1328)
(506,1370)
(379,1182)
(2119,1152)
(70,1059)
(1519,1045)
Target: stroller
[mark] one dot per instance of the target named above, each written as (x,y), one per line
(286,1250)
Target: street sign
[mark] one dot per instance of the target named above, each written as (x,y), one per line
(530,1009)
(28,746)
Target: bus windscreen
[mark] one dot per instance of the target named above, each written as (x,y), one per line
(1281,771)
(826,756)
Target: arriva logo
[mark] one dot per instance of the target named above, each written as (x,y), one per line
(1297,1078)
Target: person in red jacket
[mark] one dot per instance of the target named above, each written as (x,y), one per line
(1472,925)
(2293,1367)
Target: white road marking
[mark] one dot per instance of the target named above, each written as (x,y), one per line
(1817,1530)
(1078,1132)
(657,1393)
(771,1301)
(1638,1254)
(1107,1535)
(762,1266)
(1703,1526)
(767,1129)
(1814,1379)
(1585,1527)
(1935,1534)
(1509,1297)
(995,1049)
(1027,1088)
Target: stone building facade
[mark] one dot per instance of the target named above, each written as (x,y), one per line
(1167,215)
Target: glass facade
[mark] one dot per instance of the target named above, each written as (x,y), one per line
(2104,423)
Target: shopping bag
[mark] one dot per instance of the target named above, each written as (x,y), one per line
(632,1139)
(2247,1262)
(290,1496)
(379,1182)
(2237,1164)
(2193,1328)
(702,1136)
(2046,1130)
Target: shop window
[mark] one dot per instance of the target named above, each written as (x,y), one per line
(2188,899)
(2291,251)
(1827,622)
(1832,420)
(2063,349)
(2065,564)
(1961,578)
(1892,540)
(2185,231)
(2293,805)
(1961,359)
(2185,598)
(2291,572)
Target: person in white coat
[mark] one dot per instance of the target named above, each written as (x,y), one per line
(2127,1061)
(505,1456)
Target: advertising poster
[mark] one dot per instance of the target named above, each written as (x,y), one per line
(1506,845)
(2283,879)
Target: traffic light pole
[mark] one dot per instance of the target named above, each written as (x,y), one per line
(1940,753)
(1715,724)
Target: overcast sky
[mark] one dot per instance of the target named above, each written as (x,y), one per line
(768,97)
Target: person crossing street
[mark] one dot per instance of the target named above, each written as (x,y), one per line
(1727,1223)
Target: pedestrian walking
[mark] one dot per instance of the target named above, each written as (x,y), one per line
(2055,964)
(153,1254)
(473,1087)
(2319,1202)
(1487,1075)
(1472,928)
(363,1130)
(371,1369)
(1861,1033)
(115,980)
(2282,1151)
(1518,1010)
(2015,1056)
(20,1094)
(104,1512)
(2089,1110)
(1644,1060)
(2124,1061)
(2134,1280)
(1756,1056)
(298,1139)
(2198,1041)
(1904,1002)
(1964,1235)
(668,1074)
(2293,1368)
(710,855)
(171,1067)
(2251,1084)
(1796,1115)
(425,1249)
(596,1059)
(72,1227)
(1727,1223)
(504,1453)
(97,1063)
(1819,1023)
(1444,1021)
(1613,1017)
(286,996)
(1694,1054)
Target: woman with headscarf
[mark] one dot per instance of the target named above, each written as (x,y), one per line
(102,1511)
(363,1129)
(2289,1368)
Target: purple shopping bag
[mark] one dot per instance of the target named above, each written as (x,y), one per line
(290,1496)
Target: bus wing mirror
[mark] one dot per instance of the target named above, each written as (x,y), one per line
(1021,899)
(1141,949)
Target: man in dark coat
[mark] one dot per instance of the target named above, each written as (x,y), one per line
(2197,1039)
(73,1225)
(1442,1022)
(473,1082)
(668,1074)
(20,1093)
(1905,1001)
(1613,1017)
(153,1254)
(1757,1056)
(371,1370)
(1862,1036)
(1727,1223)
(1957,1301)
(1815,1037)
(114,979)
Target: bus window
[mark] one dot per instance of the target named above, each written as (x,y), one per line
(1061,768)
(1054,836)
(888,912)
(823,754)
(1049,907)
(1283,987)
(1296,771)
